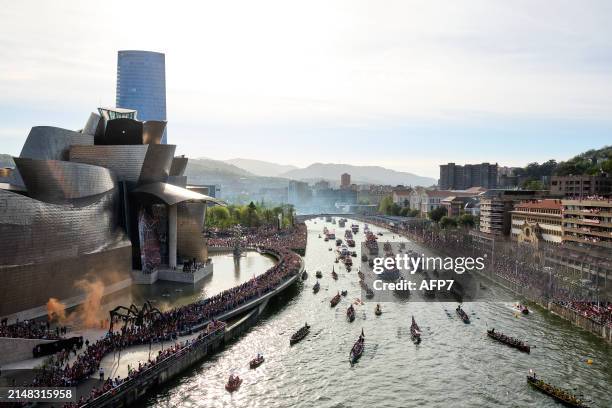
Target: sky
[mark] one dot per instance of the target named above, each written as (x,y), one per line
(402,84)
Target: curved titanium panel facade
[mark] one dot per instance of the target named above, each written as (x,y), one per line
(157,163)
(152,131)
(171,194)
(47,247)
(32,231)
(92,124)
(125,161)
(122,131)
(56,181)
(52,143)
(190,241)
(179,164)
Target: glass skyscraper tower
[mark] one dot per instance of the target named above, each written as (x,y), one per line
(141,84)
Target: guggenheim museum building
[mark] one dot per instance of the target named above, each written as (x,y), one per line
(107,203)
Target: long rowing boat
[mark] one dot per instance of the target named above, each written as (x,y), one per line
(350,313)
(565,397)
(462,314)
(510,341)
(300,334)
(335,300)
(415,331)
(357,349)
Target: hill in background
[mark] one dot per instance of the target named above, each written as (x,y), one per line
(359,174)
(260,167)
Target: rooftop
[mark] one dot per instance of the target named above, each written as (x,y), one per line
(548,204)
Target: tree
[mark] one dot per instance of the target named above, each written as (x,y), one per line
(385,205)
(251,218)
(437,213)
(448,222)
(533,185)
(218,216)
(466,221)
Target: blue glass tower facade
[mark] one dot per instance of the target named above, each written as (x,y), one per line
(141,84)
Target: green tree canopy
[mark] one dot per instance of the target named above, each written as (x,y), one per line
(448,222)
(467,220)
(437,213)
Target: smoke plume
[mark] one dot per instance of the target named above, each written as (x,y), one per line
(90,312)
(56,311)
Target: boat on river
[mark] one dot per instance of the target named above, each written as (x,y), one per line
(565,397)
(256,362)
(510,341)
(415,331)
(522,308)
(300,334)
(350,313)
(335,300)
(233,383)
(461,313)
(357,350)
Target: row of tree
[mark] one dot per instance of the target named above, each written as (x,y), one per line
(388,207)
(251,215)
(591,162)
(437,215)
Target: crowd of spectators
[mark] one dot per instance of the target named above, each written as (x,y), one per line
(176,349)
(29,329)
(600,312)
(293,238)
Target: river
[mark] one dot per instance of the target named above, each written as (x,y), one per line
(455,364)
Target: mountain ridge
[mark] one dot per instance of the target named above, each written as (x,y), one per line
(364,174)
(261,167)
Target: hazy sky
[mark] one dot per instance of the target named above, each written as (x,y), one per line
(406,84)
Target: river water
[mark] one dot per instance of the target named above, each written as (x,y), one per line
(455,364)
(227,273)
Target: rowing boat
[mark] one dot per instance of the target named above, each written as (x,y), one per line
(335,300)
(300,334)
(357,349)
(565,397)
(510,341)
(350,313)
(462,314)
(415,331)
(256,362)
